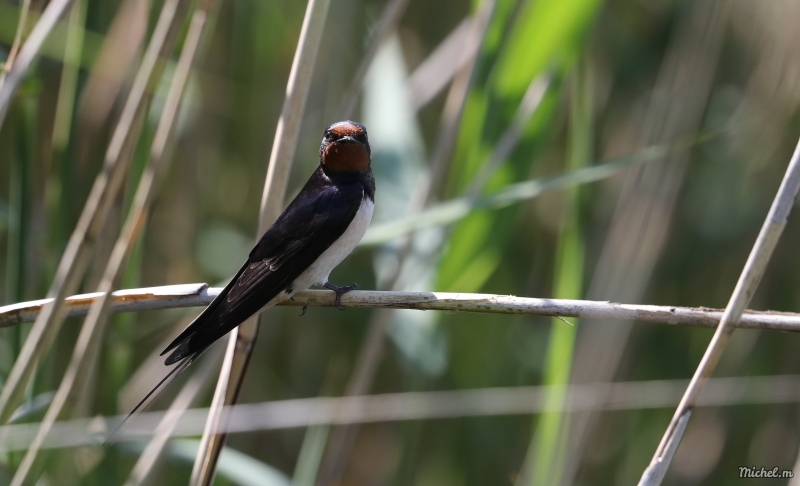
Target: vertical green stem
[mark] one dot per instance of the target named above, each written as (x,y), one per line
(19,213)
(548,447)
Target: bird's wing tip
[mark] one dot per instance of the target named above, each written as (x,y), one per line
(144,402)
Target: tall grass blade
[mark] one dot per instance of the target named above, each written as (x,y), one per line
(548,444)
(75,381)
(648,201)
(69,77)
(76,256)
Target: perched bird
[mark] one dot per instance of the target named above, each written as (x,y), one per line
(318,229)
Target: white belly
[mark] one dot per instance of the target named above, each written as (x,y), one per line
(318,272)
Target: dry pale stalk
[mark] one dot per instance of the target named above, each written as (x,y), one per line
(188,394)
(75,381)
(11,78)
(192,295)
(242,338)
(106,186)
(12,53)
(523,400)
(745,288)
(442,65)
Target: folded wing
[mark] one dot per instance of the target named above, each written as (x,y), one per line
(311,223)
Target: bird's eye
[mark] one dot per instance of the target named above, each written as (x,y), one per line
(361,138)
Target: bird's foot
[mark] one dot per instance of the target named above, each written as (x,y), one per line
(305,307)
(340,291)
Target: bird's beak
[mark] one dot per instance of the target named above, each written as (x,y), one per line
(348,139)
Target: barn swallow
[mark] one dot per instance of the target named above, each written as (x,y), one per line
(318,229)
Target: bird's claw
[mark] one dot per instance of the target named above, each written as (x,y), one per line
(305,307)
(340,291)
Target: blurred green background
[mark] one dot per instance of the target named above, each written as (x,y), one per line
(556,86)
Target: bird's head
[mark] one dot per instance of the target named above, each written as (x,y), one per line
(345,147)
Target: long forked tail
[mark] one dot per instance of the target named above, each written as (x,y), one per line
(153,394)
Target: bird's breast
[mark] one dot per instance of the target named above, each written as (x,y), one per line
(318,272)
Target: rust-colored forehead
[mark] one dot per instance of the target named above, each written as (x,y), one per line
(346,129)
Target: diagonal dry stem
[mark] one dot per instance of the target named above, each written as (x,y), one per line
(453,111)
(745,288)
(74,384)
(512,135)
(242,338)
(107,77)
(442,65)
(106,186)
(12,53)
(10,79)
(149,457)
